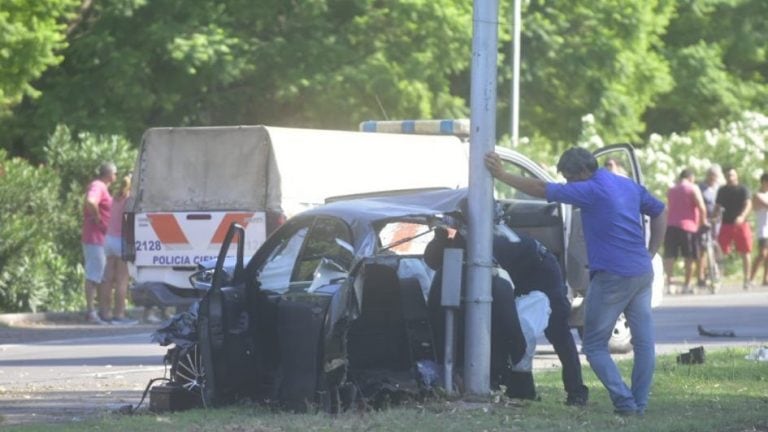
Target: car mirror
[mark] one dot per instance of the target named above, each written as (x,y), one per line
(202,279)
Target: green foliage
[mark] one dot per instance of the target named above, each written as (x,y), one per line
(742,143)
(639,67)
(32,36)
(329,63)
(718,58)
(40,217)
(727,393)
(33,270)
(584,57)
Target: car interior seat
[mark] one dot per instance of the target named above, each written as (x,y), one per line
(377,338)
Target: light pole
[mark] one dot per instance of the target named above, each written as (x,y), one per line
(482,139)
(514,91)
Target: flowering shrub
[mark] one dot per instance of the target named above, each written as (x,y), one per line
(741,144)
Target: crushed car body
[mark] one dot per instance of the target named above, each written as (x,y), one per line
(330,312)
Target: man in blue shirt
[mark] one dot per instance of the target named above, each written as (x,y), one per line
(621,273)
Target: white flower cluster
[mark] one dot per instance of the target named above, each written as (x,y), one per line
(741,144)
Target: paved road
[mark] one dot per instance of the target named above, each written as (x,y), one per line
(678,318)
(69,379)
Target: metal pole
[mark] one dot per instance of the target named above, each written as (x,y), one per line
(515,90)
(448,357)
(482,139)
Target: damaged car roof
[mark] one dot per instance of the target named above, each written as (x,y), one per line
(362,212)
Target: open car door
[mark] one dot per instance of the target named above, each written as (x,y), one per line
(534,216)
(223,353)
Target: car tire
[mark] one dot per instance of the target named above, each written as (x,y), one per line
(621,337)
(187,371)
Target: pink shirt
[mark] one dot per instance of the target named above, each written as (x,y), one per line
(683,212)
(115,227)
(93,233)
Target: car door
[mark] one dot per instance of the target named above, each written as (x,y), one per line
(545,221)
(261,330)
(303,289)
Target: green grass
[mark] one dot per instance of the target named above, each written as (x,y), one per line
(727,393)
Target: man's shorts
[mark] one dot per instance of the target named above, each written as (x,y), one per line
(95,261)
(740,234)
(113,246)
(678,242)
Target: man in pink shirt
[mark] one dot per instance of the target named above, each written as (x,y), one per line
(96,212)
(686,214)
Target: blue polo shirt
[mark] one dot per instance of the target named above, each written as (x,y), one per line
(611,215)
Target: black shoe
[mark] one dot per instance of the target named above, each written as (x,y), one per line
(520,385)
(579,400)
(628,413)
(578,397)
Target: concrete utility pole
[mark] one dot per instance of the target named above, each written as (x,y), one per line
(515,90)
(482,138)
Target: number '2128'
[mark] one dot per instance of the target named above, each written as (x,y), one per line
(152,245)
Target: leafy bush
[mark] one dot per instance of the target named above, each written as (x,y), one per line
(32,264)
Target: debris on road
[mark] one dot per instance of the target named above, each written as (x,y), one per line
(759,354)
(715,333)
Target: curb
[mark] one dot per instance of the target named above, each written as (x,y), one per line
(12,319)
(15,319)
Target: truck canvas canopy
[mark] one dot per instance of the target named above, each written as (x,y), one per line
(263,167)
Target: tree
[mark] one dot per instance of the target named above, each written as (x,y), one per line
(32,37)
(717,53)
(325,63)
(582,57)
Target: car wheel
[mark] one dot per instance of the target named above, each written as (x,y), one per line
(329,394)
(189,373)
(621,337)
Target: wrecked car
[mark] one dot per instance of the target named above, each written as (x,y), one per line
(327,308)
(330,312)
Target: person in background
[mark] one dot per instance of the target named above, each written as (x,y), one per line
(96,213)
(734,204)
(615,166)
(115,284)
(508,342)
(532,267)
(686,214)
(621,273)
(709,188)
(760,204)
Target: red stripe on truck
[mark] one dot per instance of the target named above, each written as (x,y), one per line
(167,228)
(221,231)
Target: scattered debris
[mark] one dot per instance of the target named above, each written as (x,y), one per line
(759,354)
(715,333)
(693,356)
